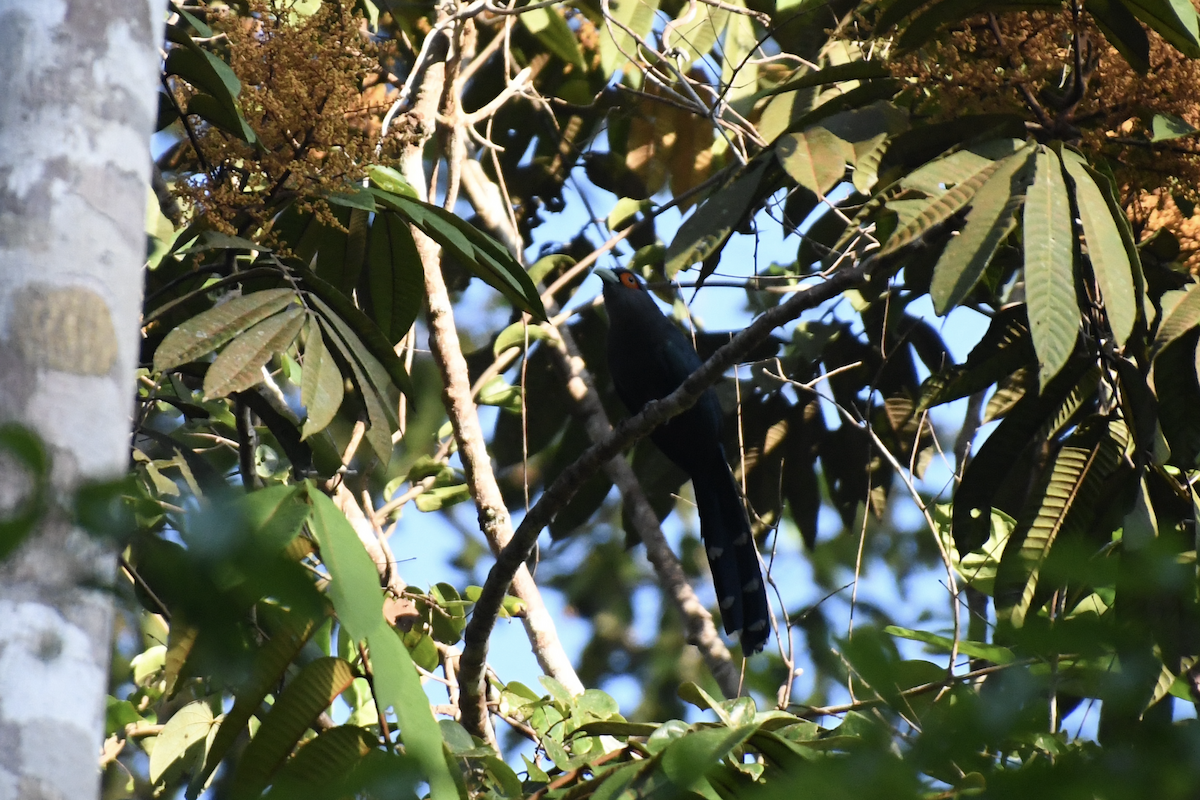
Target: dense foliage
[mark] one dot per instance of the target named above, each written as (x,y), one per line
(1030,163)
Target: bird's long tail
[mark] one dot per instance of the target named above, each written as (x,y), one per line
(732,556)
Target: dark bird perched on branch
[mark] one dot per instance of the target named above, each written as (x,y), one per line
(649,357)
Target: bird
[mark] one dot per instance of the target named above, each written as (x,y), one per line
(648,358)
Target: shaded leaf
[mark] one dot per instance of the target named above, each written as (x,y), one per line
(989,222)
(1067,499)
(270,663)
(396,276)
(1006,346)
(1122,30)
(239,365)
(321,386)
(477,251)
(358,327)
(294,711)
(1174,19)
(1180,319)
(705,232)
(815,158)
(322,761)
(1034,417)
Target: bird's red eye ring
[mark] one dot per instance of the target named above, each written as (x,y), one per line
(629,281)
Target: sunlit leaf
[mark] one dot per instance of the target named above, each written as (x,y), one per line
(1050,267)
(552,31)
(1110,263)
(206,332)
(181,740)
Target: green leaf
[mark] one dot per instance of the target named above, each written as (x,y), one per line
(353,580)
(321,385)
(499,392)
(442,497)
(989,222)
(705,232)
(966,170)
(1035,416)
(1174,19)
(275,514)
(622,214)
(686,760)
(815,158)
(548,25)
(992,652)
(205,332)
(851,71)
(1168,126)
(515,335)
(1122,30)
(477,251)
(358,328)
(1179,320)
(182,739)
(1050,267)
(396,276)
(615,43)
(391,181)
(322,763)
(294,711)
(978,567)
(398,686)
(21,516)
(222,115)
(204,70)
(239,365)
(270,664)
(1069,496)
(1106,251)
(381,420)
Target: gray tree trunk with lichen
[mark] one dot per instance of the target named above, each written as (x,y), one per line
(77,103)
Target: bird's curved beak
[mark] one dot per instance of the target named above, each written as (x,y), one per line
(606,275)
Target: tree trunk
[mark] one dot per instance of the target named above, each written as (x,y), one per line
(77,105)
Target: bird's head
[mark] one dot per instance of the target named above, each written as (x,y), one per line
(620,278)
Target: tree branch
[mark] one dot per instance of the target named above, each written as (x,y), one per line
(512,558)
(494,520)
